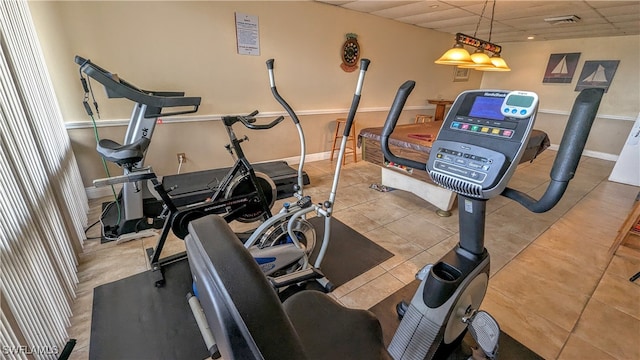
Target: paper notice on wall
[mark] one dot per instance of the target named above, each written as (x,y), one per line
(247,34)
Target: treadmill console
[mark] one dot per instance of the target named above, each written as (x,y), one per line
(482,140)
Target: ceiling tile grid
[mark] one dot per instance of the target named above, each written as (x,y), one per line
(513,20)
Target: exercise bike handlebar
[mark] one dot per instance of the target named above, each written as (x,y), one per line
(140,175)
(570,150)
(249,121)
(573,141)
(118,88)
(392,119)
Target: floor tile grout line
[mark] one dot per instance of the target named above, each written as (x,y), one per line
(588,193)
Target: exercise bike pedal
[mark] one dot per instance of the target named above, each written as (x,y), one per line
(486,332)
(401,309)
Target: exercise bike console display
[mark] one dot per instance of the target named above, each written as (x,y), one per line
(482,140)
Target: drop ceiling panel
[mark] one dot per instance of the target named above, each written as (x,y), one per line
(372,6)
(610,4)
(337,3)
(427,18)
(620,10)
(467,22)
(517,19)
(414,8)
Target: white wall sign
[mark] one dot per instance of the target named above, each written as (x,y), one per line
(247,34)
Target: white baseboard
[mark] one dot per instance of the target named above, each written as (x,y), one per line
(309,158)
(96,193)
(593,154)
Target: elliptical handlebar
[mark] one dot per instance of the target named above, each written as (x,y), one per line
(118,88)
(392,119)
(364,65)
(279,98)
(303,145)
(571,146)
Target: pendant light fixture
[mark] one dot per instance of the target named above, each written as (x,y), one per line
(498,64)
(457,55)
(479,60)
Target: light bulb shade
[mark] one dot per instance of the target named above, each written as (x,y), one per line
(498,64)
(480,60)
(455,56)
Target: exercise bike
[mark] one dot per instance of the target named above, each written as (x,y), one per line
(243,312)
(242,194)
(283,243)
(131,216)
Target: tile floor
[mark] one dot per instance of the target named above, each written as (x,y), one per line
(553,286)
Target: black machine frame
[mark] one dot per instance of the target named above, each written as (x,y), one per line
(138,209)
(249,203)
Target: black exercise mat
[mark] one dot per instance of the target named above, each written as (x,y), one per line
(134,320)
(349,253)
(508,348)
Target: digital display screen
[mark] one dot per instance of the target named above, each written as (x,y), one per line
(521,101)
(487,108)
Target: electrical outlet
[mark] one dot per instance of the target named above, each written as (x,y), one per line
(181,157)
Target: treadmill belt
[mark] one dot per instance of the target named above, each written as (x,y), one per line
(198,185)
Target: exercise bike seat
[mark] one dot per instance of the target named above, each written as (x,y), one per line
(247,319)
(329,330)
(123,155)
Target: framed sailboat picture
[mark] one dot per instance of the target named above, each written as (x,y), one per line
(560,68)
(598,74)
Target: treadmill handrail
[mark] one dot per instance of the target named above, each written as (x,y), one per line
(155,99)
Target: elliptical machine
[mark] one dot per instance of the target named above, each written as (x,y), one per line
(288,234)
(243,313)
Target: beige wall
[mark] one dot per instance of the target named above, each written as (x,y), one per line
(191,46)
(619,106)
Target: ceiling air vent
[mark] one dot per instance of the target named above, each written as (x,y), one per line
(566,19)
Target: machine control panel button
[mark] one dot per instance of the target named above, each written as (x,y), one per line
(475,176)
(480,141)
(502,129)
(469,166)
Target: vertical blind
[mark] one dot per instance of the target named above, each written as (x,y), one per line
(43,205)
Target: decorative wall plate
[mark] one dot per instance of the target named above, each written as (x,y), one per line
(350,53)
